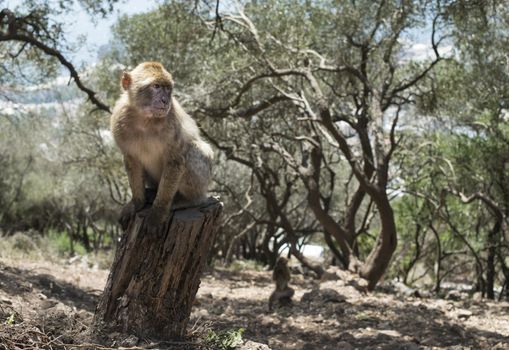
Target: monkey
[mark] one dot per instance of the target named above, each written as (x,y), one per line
(164,153)
(282,295)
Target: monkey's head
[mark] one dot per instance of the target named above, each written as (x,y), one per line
(281,261)
(149,87)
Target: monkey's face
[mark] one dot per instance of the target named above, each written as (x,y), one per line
(156,99)
(149,87)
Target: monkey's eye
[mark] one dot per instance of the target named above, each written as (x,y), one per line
(157,86)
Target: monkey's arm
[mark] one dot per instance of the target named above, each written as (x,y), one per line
(169,183)
(168,186)
(135,175)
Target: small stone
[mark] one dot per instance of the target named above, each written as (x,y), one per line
(477,296)
(202,313)
(318,319)
(251,345)
(48,304)
(265,321)
(390,333)
(130,341)
(464,314)
(454,295)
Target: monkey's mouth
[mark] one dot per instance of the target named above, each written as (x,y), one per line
(159,112)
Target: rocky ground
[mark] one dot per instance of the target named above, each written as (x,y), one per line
(49,305)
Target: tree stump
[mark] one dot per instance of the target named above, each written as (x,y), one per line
(154,278)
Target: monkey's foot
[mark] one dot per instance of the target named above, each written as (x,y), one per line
(127,213)
(153,219)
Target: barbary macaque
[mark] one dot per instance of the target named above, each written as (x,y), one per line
(282,295)
(161,144)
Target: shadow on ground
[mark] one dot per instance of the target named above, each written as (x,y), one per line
(237,299)
(365,323)
(19,282)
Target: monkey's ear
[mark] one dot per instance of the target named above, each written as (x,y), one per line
(125,81)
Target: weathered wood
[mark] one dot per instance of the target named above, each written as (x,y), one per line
(154,278)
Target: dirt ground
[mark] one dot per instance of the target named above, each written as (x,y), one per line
(45,305)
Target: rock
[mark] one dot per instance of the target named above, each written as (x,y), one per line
(202,313)
(455,295)
(463,314)
(74,259)
(130,341)
(48,304)
(405,290)
(477,296)
(331,274)
(326,295)
(390,333)
(318,319)
(265,320)
(251,345)
(345,337)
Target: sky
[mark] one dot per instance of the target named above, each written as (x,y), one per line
(97,34)
(79,23)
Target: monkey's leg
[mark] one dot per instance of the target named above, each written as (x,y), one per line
(194,185)
(168,185)
(281,298)
(136,181)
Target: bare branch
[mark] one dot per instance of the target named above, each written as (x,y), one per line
(16,32)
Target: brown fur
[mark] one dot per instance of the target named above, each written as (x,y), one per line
(161,144)
(282,295)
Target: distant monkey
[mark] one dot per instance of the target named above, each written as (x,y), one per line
(282,295)
(161,145)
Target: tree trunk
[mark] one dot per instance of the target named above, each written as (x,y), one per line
(154,278)
(490,261)
(379,258)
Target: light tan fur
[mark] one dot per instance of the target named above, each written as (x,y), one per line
(161,144)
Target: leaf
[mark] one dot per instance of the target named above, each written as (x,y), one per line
(10,320)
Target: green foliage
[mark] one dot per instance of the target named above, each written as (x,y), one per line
(225,340)
(180,43)
(10,320)
(61,243)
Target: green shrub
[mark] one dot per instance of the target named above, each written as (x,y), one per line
(60,242)
(225,340)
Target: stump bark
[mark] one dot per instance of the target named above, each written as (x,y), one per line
(154,278)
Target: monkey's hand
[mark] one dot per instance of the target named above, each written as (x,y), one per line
(128,212)
(153,219)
